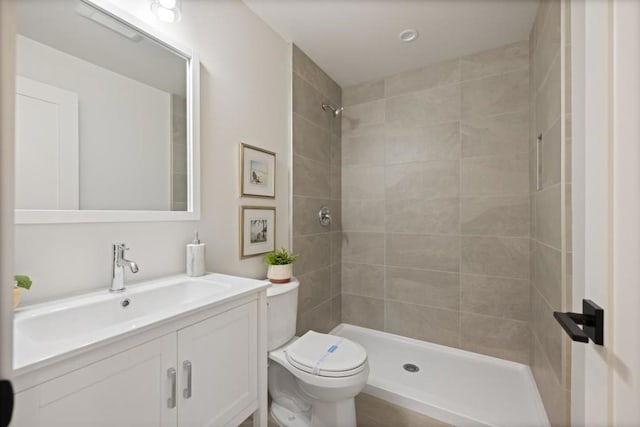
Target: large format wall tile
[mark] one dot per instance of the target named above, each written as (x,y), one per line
(422,143)
(311,178)
(495,296)
(363,279)
(548,331)
(423,251)
(548,42)
(500,60)
(366,148)
(363,311)
(431,324)
(307,102)
(505,338)
(496,256)
(495,135)
(435,216)
(314,252)
(438,105)
(494,95)
(366,182)
(356,118)
(423,287)
(365,248)
(310,140)
(304,67)
(549,215)
(431,159)
(495,216)
(364,92)
(495,175)
(441,179)
(363,215)
(316,177)
(404,181)
(551,156)
(443,73)
(547,274)
(548,99)
(315,288)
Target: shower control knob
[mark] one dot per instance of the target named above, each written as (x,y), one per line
(324,216)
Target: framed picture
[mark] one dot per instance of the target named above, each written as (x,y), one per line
(257,230)
(258,172)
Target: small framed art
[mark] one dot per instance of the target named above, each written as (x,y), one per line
(258,172)
(257,230)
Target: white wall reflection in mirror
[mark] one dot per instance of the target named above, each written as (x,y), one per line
(102,113)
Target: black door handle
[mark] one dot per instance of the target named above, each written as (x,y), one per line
(6,403)
(592,319)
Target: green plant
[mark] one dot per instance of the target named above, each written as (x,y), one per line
(281,257)
(23,282)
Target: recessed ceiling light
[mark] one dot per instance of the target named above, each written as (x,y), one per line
(408,35)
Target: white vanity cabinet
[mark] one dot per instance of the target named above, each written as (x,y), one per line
(218,365)
(205,373)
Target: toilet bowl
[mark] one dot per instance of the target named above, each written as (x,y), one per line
(312,379)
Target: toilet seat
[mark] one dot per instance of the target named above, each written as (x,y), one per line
(326,355)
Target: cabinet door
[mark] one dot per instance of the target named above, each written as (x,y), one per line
(222,355)
(129,389)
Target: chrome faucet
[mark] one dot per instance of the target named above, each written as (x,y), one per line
(119,264)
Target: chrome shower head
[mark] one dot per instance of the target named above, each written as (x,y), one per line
(335,110)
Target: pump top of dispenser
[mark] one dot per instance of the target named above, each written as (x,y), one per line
(196,240)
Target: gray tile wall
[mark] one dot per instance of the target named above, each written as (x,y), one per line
(550,207)
(435,203)
(316,183)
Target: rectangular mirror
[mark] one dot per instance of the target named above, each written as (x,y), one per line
(106,117)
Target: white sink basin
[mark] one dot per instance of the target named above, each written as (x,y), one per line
(46,331)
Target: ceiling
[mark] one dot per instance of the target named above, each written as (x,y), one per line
(355,41)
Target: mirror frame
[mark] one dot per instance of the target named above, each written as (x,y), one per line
(45,216)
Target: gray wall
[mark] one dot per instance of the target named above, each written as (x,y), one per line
(550,246)
(316,183)
(435,203)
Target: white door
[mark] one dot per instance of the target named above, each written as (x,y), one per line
(46,173)
(130,389)
(218,368)
(606,208)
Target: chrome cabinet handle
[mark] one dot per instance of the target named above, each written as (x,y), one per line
(171,401)
(186,393)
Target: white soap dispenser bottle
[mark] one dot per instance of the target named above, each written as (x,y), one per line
(195,257)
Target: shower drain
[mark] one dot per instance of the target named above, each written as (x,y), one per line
(410,367)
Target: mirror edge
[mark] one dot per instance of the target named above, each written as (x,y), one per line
(43,216)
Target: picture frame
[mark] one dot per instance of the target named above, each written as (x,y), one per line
(257,172)
(257,230)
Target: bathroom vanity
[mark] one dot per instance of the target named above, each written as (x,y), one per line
(178,351)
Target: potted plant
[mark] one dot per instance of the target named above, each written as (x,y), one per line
(280,265)
(19,283)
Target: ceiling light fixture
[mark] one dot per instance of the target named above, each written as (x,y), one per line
(166,10)
(408,35)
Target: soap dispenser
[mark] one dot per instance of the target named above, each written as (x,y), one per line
(195,257)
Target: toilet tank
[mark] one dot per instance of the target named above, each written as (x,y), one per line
(282,310)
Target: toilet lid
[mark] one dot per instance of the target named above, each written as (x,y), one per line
(326,355)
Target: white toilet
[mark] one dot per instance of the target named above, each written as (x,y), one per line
(312,379)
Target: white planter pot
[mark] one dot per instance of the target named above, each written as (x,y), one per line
(280,273)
